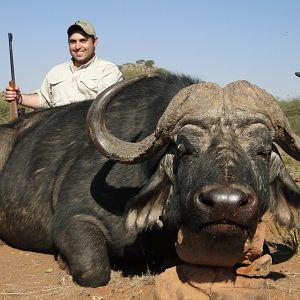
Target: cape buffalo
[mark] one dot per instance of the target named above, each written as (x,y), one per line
(96,181)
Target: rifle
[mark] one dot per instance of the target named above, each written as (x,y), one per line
(13,105)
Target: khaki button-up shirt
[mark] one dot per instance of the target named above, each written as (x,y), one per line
(63,84)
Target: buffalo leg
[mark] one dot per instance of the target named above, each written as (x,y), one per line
(83,248)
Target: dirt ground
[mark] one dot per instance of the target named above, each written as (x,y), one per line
(28,275)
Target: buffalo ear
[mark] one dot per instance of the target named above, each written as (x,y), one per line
(146,209)
(144,216)
(285,194)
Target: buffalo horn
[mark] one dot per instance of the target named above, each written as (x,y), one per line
(254,99)
(288,141)
(109,145)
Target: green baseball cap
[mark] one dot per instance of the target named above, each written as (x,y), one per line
(87,27)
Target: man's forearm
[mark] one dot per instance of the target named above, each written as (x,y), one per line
(30,100)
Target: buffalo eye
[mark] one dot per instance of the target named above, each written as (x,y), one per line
(264,153)
(183,150)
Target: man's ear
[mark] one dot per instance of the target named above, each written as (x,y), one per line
(284,194)
(96,41)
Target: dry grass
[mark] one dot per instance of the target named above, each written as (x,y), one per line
(288,237)
(131,287)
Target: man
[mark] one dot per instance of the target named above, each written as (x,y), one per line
(80,79)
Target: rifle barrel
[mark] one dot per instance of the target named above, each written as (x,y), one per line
(12,68)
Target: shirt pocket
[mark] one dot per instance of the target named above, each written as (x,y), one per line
(58,90)
(54,85)
(89,84)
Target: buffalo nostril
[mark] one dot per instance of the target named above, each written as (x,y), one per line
(204,199)
(225,197)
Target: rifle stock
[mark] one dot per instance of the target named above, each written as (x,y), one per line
(13,107)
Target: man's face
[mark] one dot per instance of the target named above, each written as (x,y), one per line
(81,48)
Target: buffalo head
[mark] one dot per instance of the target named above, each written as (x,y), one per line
(219,169)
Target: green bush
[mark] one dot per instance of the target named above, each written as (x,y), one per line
(128,73)
(150,63)
(4,111)
(291,109)
(161,70)
(140,61)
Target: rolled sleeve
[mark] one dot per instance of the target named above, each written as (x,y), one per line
(44,94)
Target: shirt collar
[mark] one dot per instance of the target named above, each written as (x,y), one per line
(82,66)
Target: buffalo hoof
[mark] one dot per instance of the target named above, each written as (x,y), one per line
(61,263)
(92,278)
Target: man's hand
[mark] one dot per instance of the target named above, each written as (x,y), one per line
(12,94)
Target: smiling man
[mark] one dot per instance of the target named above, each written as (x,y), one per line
(82,78)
